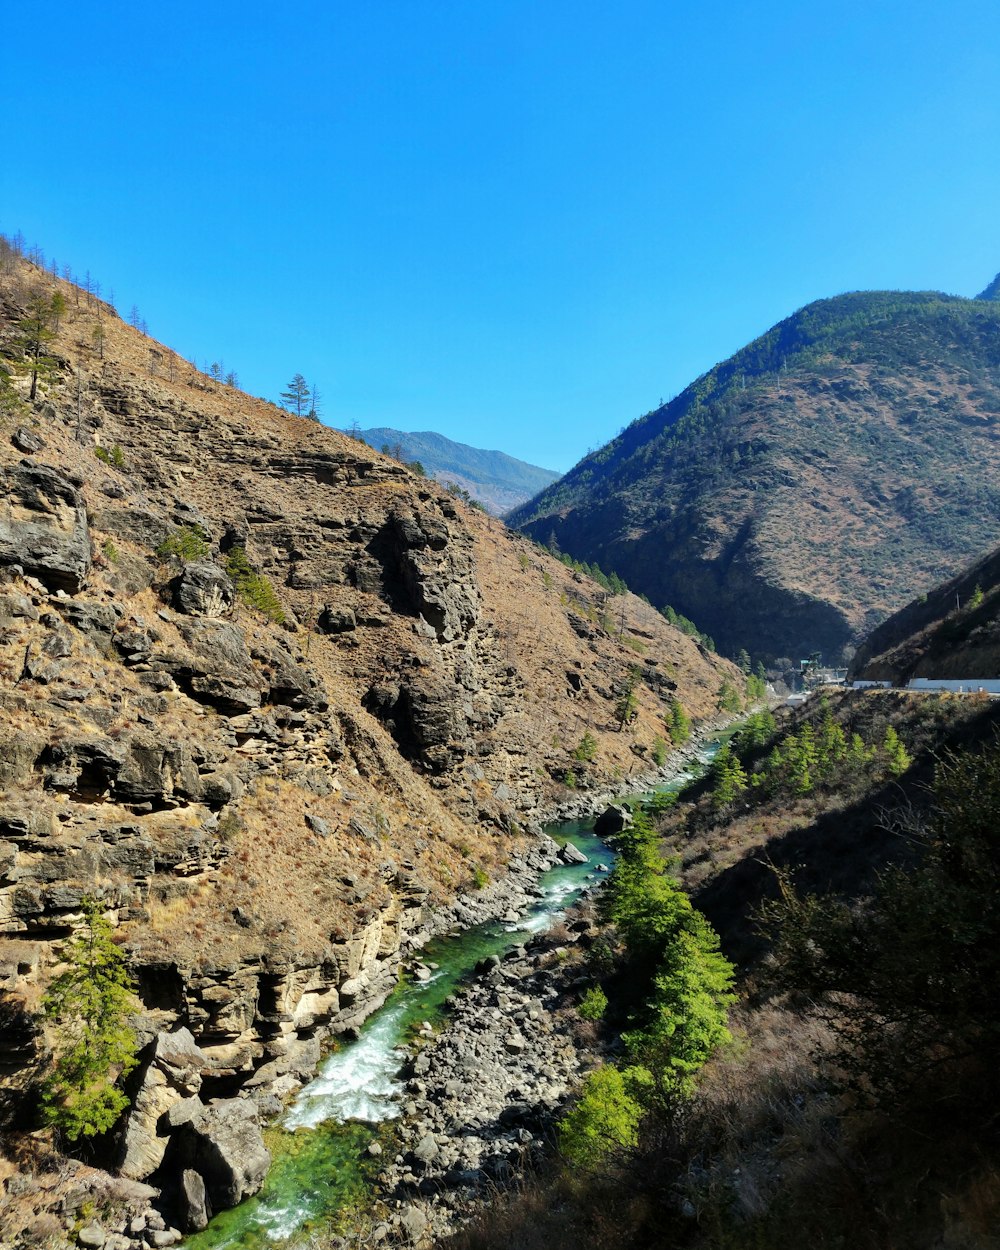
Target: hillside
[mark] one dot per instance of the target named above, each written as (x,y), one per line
(992,291)
(801,491)
(951,632)
(498,481)
(281,705)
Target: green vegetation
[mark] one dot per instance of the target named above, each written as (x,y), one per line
(113,456)
(593,1004)
(627,706)
(188,543)
(659,751)
(606,1117)
(728,698)
(910,985)
(729,779)
(480,878)
(679,727)
(88,1006)
(252,587)
(36,331)
(683,989)
(586,749)
(687,626)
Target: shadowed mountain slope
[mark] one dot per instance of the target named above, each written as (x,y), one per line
(802,490)
(951,632)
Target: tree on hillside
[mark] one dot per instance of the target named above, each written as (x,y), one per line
(37,330)
(315,400)
(296,398)
(89,1005)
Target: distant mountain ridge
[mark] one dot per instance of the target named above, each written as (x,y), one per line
(798,493)
(498,481)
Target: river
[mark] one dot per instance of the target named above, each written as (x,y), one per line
(320,1165)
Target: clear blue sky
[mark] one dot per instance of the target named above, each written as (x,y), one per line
(517,223)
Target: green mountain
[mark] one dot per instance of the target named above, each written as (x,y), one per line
(498,481)
(798,493)
(992,291)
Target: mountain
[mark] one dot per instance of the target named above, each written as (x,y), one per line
(992,291)
(494,479)
(951,632)
(801,491)
(283,707)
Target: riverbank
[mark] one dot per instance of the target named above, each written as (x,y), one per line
(485,1094)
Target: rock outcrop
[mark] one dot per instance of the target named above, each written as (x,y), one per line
(43,526)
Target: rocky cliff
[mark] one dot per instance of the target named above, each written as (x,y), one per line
(281,705)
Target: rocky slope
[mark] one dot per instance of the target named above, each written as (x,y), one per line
(951,632)
(498,481)
(798,493)
(281,705)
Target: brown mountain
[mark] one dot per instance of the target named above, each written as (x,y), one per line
(951,632)
(801,491)
(283,706)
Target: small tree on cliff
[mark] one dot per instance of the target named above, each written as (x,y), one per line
(89,1005)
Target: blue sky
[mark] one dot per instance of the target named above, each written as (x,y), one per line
(520,224)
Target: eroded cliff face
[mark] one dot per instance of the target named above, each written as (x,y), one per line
(275,806)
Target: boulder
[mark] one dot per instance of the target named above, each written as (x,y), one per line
(44,527)
(194,1209)
(613,820)
(24,440)
(203,589)
(334,620)
(171,1075)
(225,1146)
(569,854)
(219,670)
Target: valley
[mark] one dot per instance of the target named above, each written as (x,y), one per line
(301,744)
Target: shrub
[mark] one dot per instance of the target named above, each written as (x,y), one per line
(115,457)
(480,878)
(188,543)
(606,1116)
(586,748)
(252,587)
(593,1004)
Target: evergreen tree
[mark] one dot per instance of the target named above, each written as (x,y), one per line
(315,400)
(897,758)
(680,723)
(37,329)
(296,398)
(89,1005)
(728,776)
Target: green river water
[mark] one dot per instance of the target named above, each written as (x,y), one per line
(320,1167)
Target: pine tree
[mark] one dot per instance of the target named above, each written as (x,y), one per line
(680,723)
(89,1005)
(296,398)
(37,329)
(729,777)
(898,759)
